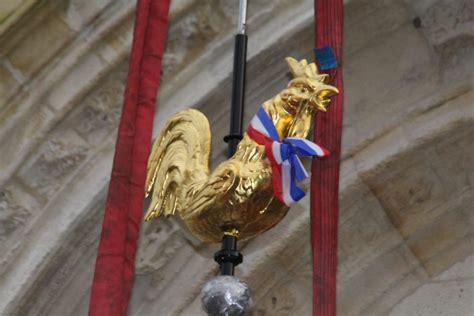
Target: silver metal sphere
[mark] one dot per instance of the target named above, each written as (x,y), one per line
(225,296)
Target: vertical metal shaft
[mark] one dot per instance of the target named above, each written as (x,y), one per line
(242,17)
(228,257)
(238,90)
(238,82)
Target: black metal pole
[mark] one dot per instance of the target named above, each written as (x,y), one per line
(238,91)
(228,257)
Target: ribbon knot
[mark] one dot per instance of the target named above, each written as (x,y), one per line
(287,167)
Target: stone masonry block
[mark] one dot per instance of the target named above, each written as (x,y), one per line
(82,76)
(407,64)
(98,114)
(17,139)
(40,45)
(385,272)
(77,13)
(449,238)
(365,232)
(55,162)
(285,299)
(442,20)
(8,85)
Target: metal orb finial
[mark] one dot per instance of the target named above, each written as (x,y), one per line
(225,296)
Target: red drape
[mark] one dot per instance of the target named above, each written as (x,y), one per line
(325,174)
(123,212)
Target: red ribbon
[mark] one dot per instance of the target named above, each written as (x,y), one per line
(325,174)
(115,264)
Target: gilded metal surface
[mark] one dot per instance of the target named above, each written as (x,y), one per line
(237,198)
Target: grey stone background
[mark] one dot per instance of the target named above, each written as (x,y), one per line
(406,219)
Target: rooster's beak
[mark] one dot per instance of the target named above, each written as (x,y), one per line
(321,96)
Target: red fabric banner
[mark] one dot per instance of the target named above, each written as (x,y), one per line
(115,261)
(325,174)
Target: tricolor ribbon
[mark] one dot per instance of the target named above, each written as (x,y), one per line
(287,167)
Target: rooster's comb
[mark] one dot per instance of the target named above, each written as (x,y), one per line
(303,69)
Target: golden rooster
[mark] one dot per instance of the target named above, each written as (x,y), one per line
(237,198)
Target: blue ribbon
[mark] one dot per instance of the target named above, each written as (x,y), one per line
(290,148)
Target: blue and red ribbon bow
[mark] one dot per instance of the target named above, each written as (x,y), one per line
(287,167)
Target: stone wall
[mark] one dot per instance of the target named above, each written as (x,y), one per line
(406,219)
